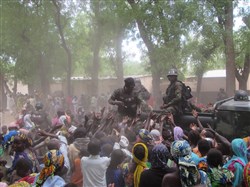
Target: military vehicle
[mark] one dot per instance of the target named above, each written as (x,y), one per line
(230,117)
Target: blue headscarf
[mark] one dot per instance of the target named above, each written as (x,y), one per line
(159,156)
(239,148)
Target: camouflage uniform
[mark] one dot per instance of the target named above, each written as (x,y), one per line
(173,98)
(131,101)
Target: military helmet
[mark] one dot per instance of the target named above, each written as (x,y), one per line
(172,71)
(129,82)
(39,105)
(241,95)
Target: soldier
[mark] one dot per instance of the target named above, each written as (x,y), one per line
(126,99)
(173,98)
(141,90)
(221,95)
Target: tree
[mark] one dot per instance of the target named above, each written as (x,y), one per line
(32,49)
(242,69)
(224,14)
(64,44)
(161,25)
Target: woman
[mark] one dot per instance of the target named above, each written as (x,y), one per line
(114,173)
(53,168)
(218,176)
(140,157)
(154,175)
(237,163)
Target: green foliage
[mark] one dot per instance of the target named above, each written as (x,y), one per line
(134,68)
(181,34)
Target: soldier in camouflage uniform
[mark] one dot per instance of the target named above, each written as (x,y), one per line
(126,99)
(173,98)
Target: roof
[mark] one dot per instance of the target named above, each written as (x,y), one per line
(215,73)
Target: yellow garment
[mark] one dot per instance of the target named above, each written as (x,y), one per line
(20,184)
(141,164)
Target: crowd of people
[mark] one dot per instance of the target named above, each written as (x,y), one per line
(117,147)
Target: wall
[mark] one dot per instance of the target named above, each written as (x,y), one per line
(209,88)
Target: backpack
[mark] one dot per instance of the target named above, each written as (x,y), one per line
(186,91)
(231,166)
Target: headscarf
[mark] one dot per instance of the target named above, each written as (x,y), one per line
(180,148)
(53,160)
(26,139)
(181,151)
(156,135)
(123,142)
(239,148)
(145,135)
(141,164)
(220,176)
(178,133)
(159,156)
(246,174)
(20,184)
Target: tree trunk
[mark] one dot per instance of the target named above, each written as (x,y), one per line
(95,67)
(151,51)
(198,88)
(156,91)
(96,48)
(44,80)
(229,50)
(31,89)
(243,74)
(2,93)
(119,62)
(64,45)
(14,87)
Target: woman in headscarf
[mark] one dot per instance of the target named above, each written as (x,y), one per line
(53,168)
(178,133)
(237,163)
(188,172)
(22,146)
(140,157)
(218,176)
(154,175)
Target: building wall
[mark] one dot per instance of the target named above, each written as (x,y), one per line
(209,88)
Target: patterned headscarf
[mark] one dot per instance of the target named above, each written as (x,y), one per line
(159,156)
(53,160)
(26,139)
(246,174)
(141,164)
(145,135)
(180,148)
(220,176)
(181,151)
